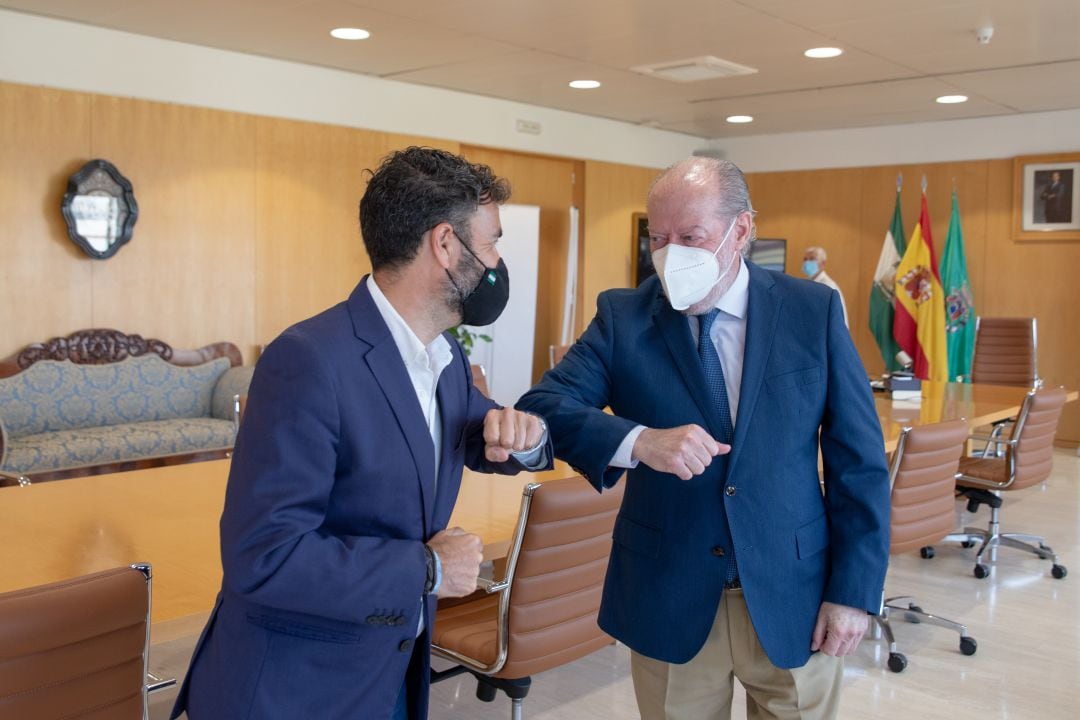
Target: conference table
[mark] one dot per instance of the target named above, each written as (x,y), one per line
(168,516)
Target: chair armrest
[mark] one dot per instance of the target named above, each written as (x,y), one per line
(491,586)
(232,382)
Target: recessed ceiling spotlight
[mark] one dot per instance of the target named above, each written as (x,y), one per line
(584,84)
(740,118)
(952,99)
(823,52)
(344,33)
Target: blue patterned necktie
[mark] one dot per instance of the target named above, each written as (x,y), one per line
(714,378)
(714,374)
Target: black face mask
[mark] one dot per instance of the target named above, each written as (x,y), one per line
(486,301)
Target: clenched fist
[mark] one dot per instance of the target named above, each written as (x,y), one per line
(683,451)
(460,554)
(508,430)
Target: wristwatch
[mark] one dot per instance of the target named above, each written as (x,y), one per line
(429,580)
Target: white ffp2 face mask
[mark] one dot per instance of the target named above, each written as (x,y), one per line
(687,273)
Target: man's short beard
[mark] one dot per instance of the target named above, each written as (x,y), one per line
(466,275)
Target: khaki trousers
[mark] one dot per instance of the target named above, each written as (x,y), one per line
(702,688)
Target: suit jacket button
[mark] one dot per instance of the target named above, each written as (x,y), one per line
(718,551)
(372,619)
(729,490)
(405,646)
(398,620)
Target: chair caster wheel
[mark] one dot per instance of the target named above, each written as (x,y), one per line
(911,617)
(968,646)
(926,552)
(967,543)
(897,662)
(981,571)
(1059,571)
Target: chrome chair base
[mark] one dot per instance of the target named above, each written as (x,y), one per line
(991,538)
(914,614)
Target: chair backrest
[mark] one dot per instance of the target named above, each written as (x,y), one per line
(479,378)
(1006,352)
(556,352)
(1031,458)
(77,648)
(557,576)
(923,474)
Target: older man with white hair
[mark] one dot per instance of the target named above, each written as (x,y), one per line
(813,267)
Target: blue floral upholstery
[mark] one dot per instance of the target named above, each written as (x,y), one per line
(57,414)
(63,449)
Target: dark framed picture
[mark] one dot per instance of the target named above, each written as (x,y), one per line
(640,256)
(769,253)
(1047,197)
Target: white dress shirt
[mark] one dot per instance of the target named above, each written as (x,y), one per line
(425,364)
(728,334)
(823,278)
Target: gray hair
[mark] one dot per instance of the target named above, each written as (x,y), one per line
(731,184)
(817,252)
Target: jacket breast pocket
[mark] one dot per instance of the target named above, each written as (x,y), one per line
(793,379)
(812,538)
(637,537)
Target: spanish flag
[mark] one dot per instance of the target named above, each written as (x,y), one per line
(919,326)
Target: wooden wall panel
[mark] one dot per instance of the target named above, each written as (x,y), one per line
(185,276)
(613,193)
(45,280)
(309,181)
(549,183)
(1034,279)
(816,209)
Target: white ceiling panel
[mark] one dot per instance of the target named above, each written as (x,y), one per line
(898,55)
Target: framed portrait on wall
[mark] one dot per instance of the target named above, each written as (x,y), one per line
(1046,200)
(641,267)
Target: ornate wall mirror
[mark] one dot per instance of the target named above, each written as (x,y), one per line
(99,209)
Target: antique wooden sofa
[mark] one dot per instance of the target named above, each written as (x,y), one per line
(101,400)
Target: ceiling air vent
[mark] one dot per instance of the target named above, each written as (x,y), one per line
(705,67)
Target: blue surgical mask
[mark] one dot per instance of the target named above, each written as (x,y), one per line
(810,268)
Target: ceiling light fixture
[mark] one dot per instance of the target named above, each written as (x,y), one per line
(584,84)
(823,52)
(740,118)
(348,33)
(952,99)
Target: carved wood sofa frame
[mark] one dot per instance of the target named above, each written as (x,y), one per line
(101,346)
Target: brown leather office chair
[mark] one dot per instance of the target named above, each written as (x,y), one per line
(555,353)
(923,478)
(479,378)
(78,648)
(542,614)
(1027,460)
(1006,352)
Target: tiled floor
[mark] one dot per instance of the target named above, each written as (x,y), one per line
(1027,625)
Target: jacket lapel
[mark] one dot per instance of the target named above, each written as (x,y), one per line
(450,394)
(385,363)
(675,329)
(762,312)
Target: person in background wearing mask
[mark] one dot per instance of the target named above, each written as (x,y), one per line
(813,266)
(724,380)
(348,462)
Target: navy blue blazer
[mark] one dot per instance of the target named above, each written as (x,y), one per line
(795,546)
(331,496)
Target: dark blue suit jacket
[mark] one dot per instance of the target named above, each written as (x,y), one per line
(330,499)
(795,546)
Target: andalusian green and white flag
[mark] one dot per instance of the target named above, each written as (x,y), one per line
(959,305)
(883,292)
